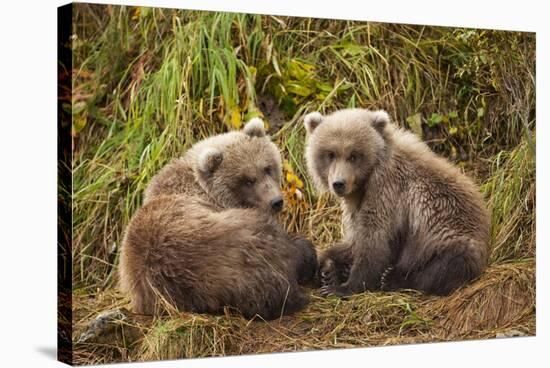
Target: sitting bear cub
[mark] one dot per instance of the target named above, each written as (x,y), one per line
(410,218)
(206,237)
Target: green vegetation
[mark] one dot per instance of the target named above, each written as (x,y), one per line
(148,83)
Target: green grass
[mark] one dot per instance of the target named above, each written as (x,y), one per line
(511,193)
(148,83)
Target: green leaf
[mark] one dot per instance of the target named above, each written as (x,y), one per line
(415,123)
(299,70)
(79,122)
(434,120)
(299,89)
(453,115)
(325,87)
(480,112)
(351,49)
(78,107)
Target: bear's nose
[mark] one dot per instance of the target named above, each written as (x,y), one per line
(276,204)
(339,186)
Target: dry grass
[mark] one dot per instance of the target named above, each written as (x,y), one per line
(148,83)
(502,300)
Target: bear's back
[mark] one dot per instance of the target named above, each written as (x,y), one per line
(436,189)
(179,245)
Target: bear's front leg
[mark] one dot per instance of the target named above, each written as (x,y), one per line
(346,288)
(335,265)
(360,280)
(370,259)
(306,262)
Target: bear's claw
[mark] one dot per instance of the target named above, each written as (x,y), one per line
(345,272)
(333,290)
(385,274)
(334,276)
(328,279)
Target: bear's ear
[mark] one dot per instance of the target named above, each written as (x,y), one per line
(209,160)
(312,121)
(255,128)
(380,119)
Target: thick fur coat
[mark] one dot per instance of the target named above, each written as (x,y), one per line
(410,218)
(201,258)
(206,237)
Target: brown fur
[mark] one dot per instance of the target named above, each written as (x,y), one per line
(217,169)
(206,237)
(410,218)
(201,258)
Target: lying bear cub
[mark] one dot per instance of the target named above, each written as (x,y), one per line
(206,237)
(410,218)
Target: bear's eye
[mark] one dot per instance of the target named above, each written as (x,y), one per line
(352,157)
(331,155)
(249,182)
(267,170)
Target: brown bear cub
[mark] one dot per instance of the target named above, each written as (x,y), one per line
(410,219)
(206,237)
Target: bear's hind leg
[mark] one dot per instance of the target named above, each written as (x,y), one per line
(448,270)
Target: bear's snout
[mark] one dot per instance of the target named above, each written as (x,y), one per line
(339,186)
(276,204)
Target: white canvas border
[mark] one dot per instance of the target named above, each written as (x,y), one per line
(28,131)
